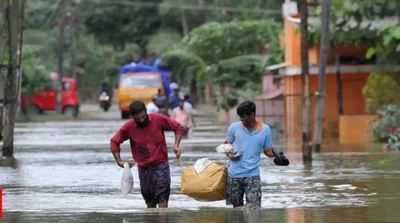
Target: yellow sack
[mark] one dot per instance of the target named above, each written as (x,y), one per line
(209,185)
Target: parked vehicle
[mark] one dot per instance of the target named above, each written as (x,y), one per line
(139,82)
(45,100)
(104,101)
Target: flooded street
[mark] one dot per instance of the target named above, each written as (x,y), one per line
(64,172)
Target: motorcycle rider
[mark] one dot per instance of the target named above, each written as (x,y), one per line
(105,95)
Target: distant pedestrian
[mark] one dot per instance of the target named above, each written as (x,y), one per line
(174,99)
(161,100)
(149,150)
(187,104)
(173,86)
(183,117)
(151,107)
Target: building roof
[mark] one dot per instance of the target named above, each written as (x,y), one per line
(284,70)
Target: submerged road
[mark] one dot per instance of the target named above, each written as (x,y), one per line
(66,167)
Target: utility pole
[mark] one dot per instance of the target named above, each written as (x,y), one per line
(307,148)
(2,80)
(64,15)
(2,67)
(185,27)
(60,60)
(324,51)
(14,15)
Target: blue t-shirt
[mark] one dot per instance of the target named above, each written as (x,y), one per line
(250,145)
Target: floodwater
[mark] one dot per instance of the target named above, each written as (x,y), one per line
(64,172)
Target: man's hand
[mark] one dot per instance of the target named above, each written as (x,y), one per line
(233,155)
(177,151)
(131,163)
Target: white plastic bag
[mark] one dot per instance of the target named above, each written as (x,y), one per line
(224,148)
(228,150)
(201,164)
(126,180)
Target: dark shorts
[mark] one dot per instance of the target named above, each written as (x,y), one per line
(238,187)
(155,183)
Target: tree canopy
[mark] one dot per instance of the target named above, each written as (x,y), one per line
(120,22)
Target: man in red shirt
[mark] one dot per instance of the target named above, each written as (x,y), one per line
(149,150)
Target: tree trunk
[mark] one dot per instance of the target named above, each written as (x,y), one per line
(307,148)
(2,81)
(1,117)
(15,17)
(60,57)
(185,27)
(193,91)
(321,89)
(2,77)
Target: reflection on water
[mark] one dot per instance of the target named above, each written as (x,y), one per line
(8,162)
(204,215)
(71,187)
(220,215)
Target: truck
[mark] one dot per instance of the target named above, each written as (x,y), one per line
(139,82)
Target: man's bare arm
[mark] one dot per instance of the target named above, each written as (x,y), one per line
(118,159)
(177,149)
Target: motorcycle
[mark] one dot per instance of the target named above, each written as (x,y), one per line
(104,101)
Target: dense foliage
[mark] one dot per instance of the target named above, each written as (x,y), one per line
(120,22)
(382,89)
(35,74)
(101,35)
(231,55)
(387,128)
(373,24)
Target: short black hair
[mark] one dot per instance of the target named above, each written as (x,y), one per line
(136,107)
(246,108)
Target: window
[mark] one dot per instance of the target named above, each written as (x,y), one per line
(140,81)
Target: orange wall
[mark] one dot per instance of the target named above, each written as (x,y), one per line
(293,93)
(291,44)
(355,129)
(354,102)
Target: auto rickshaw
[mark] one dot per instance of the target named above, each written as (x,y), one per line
(46,99)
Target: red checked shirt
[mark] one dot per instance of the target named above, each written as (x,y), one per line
(148,144)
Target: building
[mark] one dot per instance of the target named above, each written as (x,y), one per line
(346,117)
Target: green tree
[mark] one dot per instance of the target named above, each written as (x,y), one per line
(231,55)
(162,41)
(100,63)
(387,49)
(371,23)
(35,74)
(381,90)
(183,15)
(39,14)
(219,41)
(120,22)
(239,10)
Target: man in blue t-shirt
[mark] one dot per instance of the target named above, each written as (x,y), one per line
(249,138)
